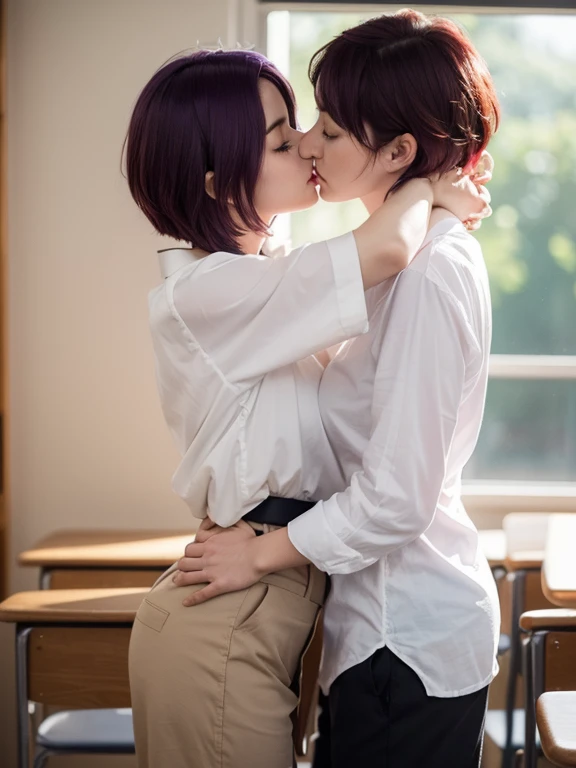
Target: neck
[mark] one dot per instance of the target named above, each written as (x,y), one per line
(374,199)
(252,242)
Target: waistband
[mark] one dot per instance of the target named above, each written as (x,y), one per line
(278,511)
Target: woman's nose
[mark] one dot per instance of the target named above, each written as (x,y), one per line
(308,146)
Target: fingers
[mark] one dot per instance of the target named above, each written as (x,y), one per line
(475,222)
(190,564)
(206,524)
(481,178)
(190,578)
(243,525)
(482,171)
(194,549)
(486,162)
(485,195)
(203,536)
(202,595)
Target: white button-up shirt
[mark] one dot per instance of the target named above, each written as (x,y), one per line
(234,338)
(402,407)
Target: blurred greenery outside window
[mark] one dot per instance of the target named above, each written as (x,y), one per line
(529,428)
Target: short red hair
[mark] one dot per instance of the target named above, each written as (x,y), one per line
(409,73)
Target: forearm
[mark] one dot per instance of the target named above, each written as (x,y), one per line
(393,234)
(274,552)
(356,527)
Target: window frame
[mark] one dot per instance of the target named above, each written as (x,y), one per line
(447,6)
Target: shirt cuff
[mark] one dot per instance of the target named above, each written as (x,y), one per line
(314,538)
(349,286)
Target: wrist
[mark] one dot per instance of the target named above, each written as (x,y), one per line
(275,552)
(261,554)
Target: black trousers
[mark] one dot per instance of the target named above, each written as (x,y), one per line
(378,715)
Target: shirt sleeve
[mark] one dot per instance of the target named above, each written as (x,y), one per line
(419,386)
(254,314)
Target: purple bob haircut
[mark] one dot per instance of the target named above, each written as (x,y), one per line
(409,73)
(202,112)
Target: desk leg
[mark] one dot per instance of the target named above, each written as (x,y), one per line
(23,717)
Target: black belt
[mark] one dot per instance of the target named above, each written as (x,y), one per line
(278,511)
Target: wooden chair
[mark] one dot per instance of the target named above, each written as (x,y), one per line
(71,651)
(549,664)
(551,635)
(556,720)
(525,543)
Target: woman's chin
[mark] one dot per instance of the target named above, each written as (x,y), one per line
(311,200)
(331,195)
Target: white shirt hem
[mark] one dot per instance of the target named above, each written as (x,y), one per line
(431,689)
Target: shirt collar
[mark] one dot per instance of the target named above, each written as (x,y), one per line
(173,259)
(442,228)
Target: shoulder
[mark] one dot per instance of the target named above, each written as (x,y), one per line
(216,275)
(452,261)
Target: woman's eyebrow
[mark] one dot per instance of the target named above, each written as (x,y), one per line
(275,124)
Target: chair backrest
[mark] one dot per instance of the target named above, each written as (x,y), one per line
(534,599)
(525,531)
(560,661)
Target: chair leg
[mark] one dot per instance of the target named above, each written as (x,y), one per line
(534,682)
(518,587)
(23,716)
(41,758)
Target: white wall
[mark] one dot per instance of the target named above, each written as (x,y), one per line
(88,445)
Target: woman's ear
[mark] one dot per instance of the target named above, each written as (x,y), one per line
(400,152)
(209,184)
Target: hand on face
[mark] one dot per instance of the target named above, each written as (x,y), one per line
(465,195)
(219,557)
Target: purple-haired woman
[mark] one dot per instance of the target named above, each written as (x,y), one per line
(212,157)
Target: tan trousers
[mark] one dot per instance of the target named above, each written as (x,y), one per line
(212,685)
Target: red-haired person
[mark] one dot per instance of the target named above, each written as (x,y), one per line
(412,619)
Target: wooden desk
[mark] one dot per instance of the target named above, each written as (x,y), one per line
(71,650)
(556,718)
(559,569)
(94,559)
(94,606)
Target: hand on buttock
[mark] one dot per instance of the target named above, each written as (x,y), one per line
(219,557)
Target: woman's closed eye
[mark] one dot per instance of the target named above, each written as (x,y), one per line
(284,147)
(328,136)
